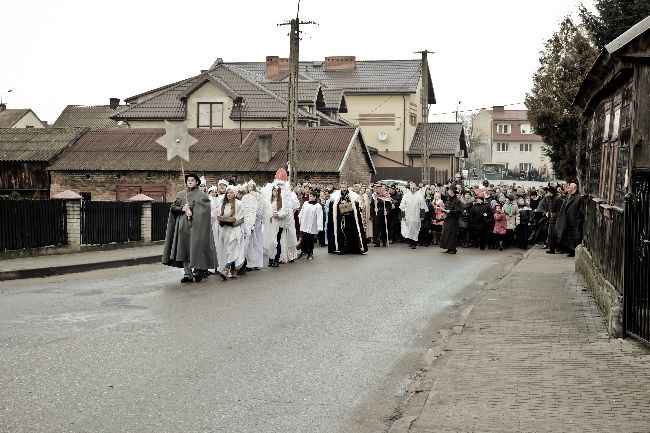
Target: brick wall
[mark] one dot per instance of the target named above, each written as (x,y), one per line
(103,186)
(357,168)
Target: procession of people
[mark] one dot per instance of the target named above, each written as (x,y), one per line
(230,229)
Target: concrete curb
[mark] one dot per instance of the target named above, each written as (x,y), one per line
(75,268)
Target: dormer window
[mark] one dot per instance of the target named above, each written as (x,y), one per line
(503,128)
(210,115)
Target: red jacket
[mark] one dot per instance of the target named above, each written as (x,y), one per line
(500,223)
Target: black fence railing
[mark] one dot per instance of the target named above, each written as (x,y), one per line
(105,222)
(159,218)
(32,224)
(636,297)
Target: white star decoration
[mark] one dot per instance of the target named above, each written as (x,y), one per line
(177,141)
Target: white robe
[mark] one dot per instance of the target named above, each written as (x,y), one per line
(253,229)
(272,225)
(215,209)
(311,218)
(231,239)
(411,205)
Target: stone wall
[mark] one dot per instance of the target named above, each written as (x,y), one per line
(102,186)
(609,301)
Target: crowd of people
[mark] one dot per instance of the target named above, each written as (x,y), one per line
(233,229)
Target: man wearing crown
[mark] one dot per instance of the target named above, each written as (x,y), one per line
(345,233)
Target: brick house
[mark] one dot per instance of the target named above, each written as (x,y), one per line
(115,164)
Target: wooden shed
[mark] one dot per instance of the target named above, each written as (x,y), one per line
(614,100)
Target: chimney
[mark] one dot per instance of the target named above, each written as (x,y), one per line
(498,108)
(3,107)
(265,152)
(275,66)
(340,63)
(114,103)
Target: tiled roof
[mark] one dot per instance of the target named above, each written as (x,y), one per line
(369,76)
(444,139)
(307,90)
(319,150)
(35,144)
(78,116)
(509,114)
(164,105)
(9,116)
(261,102)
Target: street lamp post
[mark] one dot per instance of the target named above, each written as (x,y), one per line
(8,91)
(239,105)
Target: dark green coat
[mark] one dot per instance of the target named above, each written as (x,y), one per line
(190,240)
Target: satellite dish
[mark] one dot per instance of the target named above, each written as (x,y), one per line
(383,135)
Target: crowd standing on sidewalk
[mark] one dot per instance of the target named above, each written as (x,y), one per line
(230,229)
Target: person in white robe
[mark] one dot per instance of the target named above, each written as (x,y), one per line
(275,224)
(412,207)
(311,223)
(253,229)
(231,236)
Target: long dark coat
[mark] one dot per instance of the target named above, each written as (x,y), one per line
(568,226)
(449,237)
(190,240)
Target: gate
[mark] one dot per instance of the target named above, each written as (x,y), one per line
(636,295)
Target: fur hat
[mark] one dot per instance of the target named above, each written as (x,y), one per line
(222,182)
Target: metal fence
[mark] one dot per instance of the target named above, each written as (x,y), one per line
(32,224)
(636,297)
(105,222)
(159,217)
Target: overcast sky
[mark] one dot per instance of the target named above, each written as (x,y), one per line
(65,52)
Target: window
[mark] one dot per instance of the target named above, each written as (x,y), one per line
(502,147)
(525,166)
(503,128)
(210,115)
(525,128)
(525,147)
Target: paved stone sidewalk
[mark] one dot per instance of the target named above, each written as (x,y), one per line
(533,356)
(57,264)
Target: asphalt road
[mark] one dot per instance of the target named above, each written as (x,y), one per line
(302,348)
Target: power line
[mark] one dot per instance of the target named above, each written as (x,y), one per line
(473,109)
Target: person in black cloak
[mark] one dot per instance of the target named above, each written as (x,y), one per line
(188,242)
(345,233)
(453,210)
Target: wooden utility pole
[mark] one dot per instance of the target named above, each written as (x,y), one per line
(424,100)
(292,116)
(292,106)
